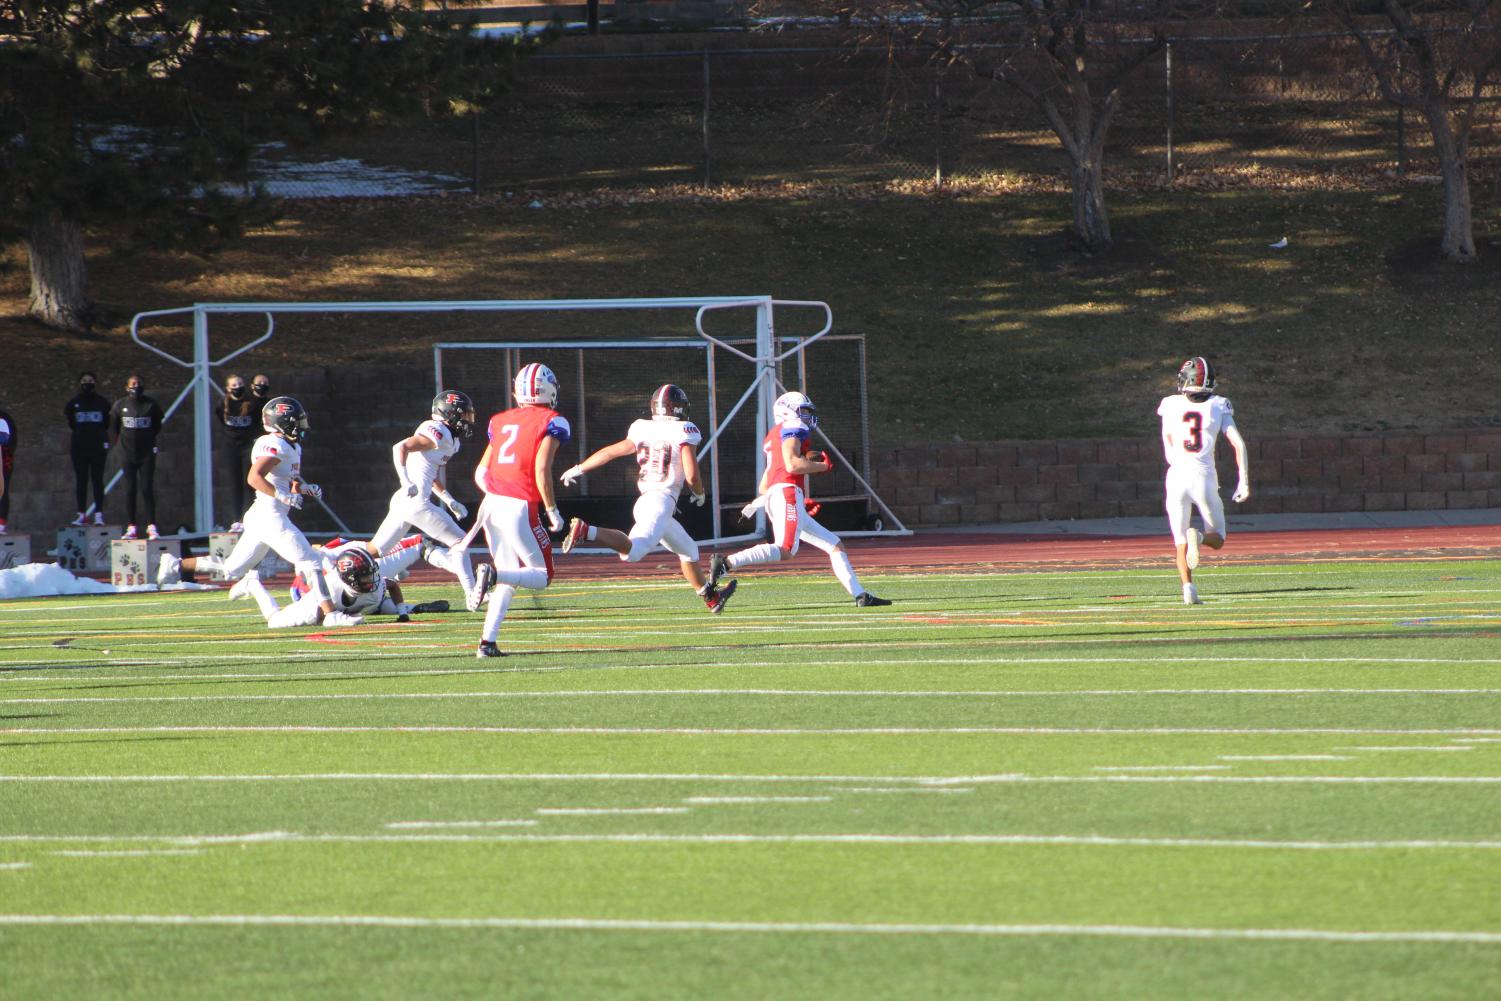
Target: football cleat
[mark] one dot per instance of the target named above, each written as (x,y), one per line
(536,384)
(578,531)
(487,649)
(456,410)
(1191,595)
(430,606)
(790,407)
(484,581)
(286,417)
(867,600)
(168,570)
(1191,548)
(1196,378)
(718,567)
(152,533)
(716,600)
(243,586)
(669,403)
(338,619)
(130,533)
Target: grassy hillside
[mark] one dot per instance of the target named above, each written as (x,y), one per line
(981,323)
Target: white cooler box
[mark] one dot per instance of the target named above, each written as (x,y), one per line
(133,561)
(221,543)
(86,548)
(15,551)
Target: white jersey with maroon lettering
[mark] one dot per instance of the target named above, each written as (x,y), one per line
(287,468)
(1191,428)
(659,453)
(423,467)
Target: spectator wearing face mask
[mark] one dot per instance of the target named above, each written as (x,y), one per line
(240,422)
(7,463)
(135,421)
(87,415)
(260,392)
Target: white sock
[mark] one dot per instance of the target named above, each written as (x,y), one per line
(754,556)
(845,572)
(495,612)
(262,597)
(534,578)
(592,535)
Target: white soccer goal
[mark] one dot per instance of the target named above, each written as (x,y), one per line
(732,376)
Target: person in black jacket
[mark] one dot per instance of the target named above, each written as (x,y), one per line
(134,423)
(7,463)
(87,415)
(240,421)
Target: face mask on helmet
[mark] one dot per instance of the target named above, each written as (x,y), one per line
(357,570)
(669,403)
(456,410)
(791,407)
(285,416)
(535,384)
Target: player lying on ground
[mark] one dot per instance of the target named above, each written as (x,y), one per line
(276,477)
(782,492)
(663,447)
(358,583)
(420,460)
(1192,421)
(515,474)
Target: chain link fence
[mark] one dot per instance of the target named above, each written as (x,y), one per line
(1237,107)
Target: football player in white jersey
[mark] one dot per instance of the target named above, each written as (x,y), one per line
(1192,421)
(276,477)
(663,447)
(358,583)
(420,461)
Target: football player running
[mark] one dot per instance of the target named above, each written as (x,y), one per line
(515,474)
(420,460)
(276,477)
(1192,421)
(358,583)
(782,492)
(663,447)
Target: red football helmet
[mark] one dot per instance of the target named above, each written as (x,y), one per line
(1196,377)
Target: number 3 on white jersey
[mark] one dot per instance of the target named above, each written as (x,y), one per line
(504,454)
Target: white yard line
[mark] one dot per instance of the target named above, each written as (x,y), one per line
(1415,748)
(1159,768)
(606,811)
(426,824)
(764,927)
(925,791)
(1283,757)
(14,866)
(876,731)
(716,800)
(128,854)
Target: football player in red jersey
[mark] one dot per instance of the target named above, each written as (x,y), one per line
(515,474)
(782,492)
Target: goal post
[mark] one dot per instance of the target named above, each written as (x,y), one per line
(737,371)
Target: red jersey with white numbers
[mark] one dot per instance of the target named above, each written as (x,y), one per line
(771,446)
(515,437)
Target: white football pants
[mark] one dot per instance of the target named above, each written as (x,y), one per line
(654,523)
(1190,487)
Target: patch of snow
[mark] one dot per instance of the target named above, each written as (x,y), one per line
(46,580)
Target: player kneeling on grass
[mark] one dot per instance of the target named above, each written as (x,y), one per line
(782,492)
(420,460)
(1192,421)
(358,583)
(663,447)
(515,474)
(276,477)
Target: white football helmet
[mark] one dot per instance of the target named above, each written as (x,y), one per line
(794,407)
(1196,377)
(535,383)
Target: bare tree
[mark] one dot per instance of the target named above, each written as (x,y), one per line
(1070,59)
(1435,58)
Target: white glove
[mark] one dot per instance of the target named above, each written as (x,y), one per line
(555,521)
(459,511)
(749,511)
(290,500)
(571,474)
(697,500)
(312,490)
(1242,492)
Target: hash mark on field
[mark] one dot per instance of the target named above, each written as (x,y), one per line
(14,866)
(767,927)
(1158,768)
(399,824)
(1284,757)
(127,853)
(1415,748)
(887,790)
(597,811)
(716,800)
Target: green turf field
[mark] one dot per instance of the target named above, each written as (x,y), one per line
(1040,785)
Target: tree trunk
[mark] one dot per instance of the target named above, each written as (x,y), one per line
(1091,223)
(1458,241)
(59,280)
